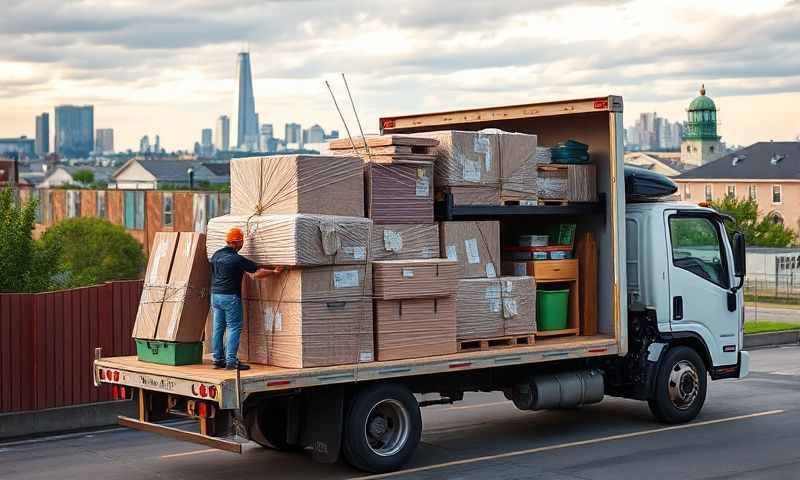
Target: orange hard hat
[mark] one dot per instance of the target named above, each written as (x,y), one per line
(234,235)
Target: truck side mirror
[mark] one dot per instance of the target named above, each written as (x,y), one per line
(739,255)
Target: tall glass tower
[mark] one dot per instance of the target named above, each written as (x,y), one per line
(245,121)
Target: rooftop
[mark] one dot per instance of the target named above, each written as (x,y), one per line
(759,161)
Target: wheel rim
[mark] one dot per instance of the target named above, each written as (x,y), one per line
(683,385)
(387,427)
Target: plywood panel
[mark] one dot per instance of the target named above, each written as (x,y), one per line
(88,203)
(59,205)
(184,214)
(152,220)
(114,207)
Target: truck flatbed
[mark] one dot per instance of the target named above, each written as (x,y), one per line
(187,379)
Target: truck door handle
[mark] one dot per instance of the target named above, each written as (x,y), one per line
(677,308)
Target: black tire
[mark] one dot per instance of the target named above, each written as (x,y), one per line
(681,386)
(267,426)
(390,413)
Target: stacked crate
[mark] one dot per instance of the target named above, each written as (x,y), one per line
(305,213)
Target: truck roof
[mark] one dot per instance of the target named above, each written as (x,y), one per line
(670,205)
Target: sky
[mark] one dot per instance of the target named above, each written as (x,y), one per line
(167,68)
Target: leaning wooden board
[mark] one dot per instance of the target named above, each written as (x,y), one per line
(586,251)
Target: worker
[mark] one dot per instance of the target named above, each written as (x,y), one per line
(227,269)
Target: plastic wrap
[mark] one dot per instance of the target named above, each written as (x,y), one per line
(474,245)
(289,184)
(414,328)
(474,195)
(573,183)
(404,242)
(399,193)
(518,173)
(295,240)
(406,279)
(175,296)
(490,308)
(309,318)
(465,158)
(552,182)
(543,156)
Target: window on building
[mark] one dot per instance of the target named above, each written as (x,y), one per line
(752,192)
(711,149)
(73,203)
(775,217)
(166,209)
(133,205)
(777,194)
(731,191)
(709,193)
(102,205)
(687,191)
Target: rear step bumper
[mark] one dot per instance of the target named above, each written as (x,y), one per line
(226,445)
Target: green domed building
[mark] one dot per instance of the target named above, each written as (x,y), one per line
(700,142)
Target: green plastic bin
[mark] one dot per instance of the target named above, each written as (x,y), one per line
(169,353)
(551,309)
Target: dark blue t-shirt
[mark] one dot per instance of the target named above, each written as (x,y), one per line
(227,268)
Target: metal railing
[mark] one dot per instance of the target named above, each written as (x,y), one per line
(772,297)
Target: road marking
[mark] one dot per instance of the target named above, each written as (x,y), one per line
(481,405)
(194,452)
(592,441)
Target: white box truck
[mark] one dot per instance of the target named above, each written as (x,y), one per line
(669,317)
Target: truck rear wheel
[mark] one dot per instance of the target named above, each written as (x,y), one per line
(681,385)
(382,428)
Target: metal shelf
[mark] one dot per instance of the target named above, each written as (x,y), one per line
(445,210)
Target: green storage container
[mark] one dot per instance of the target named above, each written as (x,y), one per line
(551,309)
(169,353)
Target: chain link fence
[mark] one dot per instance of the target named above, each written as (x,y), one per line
(772,297)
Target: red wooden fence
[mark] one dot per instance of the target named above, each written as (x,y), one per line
(47,343)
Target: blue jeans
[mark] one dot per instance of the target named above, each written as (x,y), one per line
(227,317)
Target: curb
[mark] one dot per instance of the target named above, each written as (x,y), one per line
(770,339)
(64,419)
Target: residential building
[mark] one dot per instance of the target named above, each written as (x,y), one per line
(104,140)
(42,146)
(768,172)
(17,147)
(74,131)
(61,174)
(9,172)
(701,144)
(140,174)
(665,163)
(293,136)
(222,135)
(245,120)
(144,144)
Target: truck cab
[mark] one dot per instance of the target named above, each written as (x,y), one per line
(684,275)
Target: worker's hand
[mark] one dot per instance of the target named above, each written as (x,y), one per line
(263,272)
(278,269)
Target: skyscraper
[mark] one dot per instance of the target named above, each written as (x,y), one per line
(245,119)
(104,140)
(74,130)
(157,146)
(316,134)
(43,134)
(294,135)
(144,144)
(222,136)
(207,148)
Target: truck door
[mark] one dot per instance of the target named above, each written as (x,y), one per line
(699,282)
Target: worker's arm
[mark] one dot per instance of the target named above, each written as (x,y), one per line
(265,272)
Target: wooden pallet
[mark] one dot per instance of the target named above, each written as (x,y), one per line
(496,343)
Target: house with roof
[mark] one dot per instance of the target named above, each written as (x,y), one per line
(664,163)
(141,174)
(768,172)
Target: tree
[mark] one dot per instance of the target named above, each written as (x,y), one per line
(93,250)
(761,233)
(84,176)
(26,265)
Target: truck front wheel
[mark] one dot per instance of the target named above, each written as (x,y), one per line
(680,388)
(382,428)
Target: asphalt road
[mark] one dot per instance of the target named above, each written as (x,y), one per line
(765,312)
(748,429)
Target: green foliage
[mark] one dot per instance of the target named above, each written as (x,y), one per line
(26,265)
(93,250)
(763,327)
(84,176)
(203,186)
(761,233)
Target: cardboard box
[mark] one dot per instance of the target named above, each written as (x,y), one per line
(186,301)
(289,184)
(404,242)
(489,308)
(465,158)
(405,279)
(415,328)
(474,195)
(305,327)
(155,285)
(571,183)
(518,163)
(475,245)
(295,240)
(399,193)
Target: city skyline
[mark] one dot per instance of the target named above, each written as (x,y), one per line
(412,57)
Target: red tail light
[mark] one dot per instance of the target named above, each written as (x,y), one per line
(202,410)
(203,391)
(212,391)
(101,374)
(116,376)
(114,392)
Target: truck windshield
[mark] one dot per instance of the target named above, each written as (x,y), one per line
(697,248)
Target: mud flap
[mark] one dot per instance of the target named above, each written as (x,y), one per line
(323,421)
